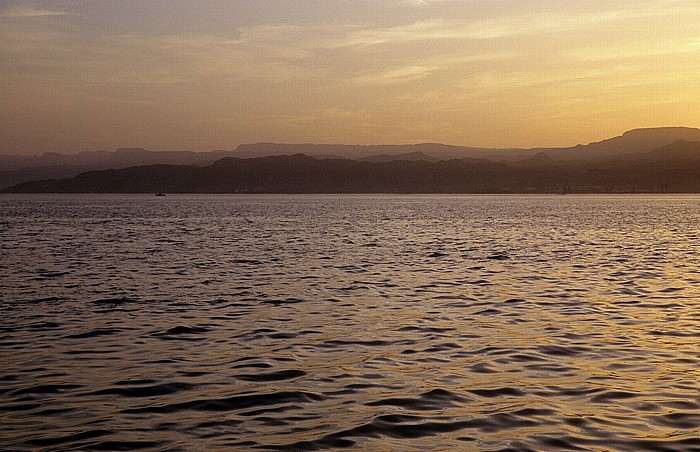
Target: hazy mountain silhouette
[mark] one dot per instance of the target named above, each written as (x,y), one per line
(635,151)
(122,156)
(410,156)
(349,151)
(15,169)
(539,160)
(629,144)
(679,152)
(51,159)
(670,168)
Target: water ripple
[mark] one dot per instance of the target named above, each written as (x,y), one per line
(366,322)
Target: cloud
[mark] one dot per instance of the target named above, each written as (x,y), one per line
(378,78)
(29,11)
(399,75)
(362,53)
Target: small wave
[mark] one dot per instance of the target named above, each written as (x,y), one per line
(146,391)
(46,389)
(247,261)
(272,376)
(95,333)
(90,434)
(406,427)
(289,300)
(500,256)
(419,329)
(233,403)
(183,333)
(675,333)
(47,299)
(482,368)
(560,443)
(433,400)
(682,421)
(48,274)
(497,392)
(44,326)
(123,445)
(557,350)
(19,407)
(334,343)
(253,365)
(607,396)
(113,301)
(446,346)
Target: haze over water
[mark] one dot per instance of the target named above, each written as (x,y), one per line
(368,322)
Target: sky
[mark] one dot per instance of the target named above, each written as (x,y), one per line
(212,74)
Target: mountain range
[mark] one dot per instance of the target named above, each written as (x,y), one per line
(649,160)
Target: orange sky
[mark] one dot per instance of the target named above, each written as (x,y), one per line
(85,75)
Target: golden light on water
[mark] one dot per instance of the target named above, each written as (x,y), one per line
(379,322)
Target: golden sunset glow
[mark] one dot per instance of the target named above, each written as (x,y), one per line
(211,75)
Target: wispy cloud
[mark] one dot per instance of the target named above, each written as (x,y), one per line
(431,71)
(30,11)
(398,75)
(362,53)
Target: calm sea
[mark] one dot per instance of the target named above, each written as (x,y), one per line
(367,322)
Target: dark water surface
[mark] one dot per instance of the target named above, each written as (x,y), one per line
(368,322)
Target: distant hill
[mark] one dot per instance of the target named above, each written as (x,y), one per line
(410,156)
(679,152)
(124,157)
(670,168)
(638,144)
(17,176)
(288,174)
(51,159)
(121,157)
(539,160)
(349,151)
(15,169)
(630,145)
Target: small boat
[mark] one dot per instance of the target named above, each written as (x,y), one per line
(160,194)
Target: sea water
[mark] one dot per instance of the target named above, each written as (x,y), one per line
(303,322)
